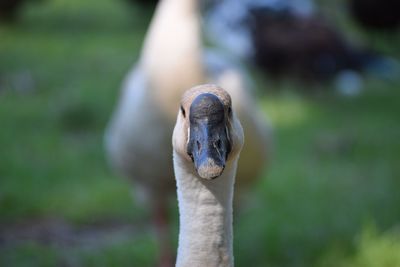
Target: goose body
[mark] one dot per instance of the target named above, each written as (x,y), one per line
(144,117)
(206,143)
(139,133)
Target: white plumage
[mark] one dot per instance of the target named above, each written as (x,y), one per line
(205,205)
(138,138)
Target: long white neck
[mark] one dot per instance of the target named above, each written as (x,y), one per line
(205,208)
(172,51)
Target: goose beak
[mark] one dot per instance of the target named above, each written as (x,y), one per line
(208,144)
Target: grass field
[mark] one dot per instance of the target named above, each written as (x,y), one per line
(330,198)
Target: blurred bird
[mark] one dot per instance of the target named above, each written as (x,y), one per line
(229,22)
(288,38)
(138,137)
(307,47)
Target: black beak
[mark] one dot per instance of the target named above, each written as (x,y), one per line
(209,143)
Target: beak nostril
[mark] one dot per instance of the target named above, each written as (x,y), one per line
(198,146)
(218,144)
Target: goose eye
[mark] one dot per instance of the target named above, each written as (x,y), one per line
(183,112)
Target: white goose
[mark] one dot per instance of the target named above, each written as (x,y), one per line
(138,136)
(207,141)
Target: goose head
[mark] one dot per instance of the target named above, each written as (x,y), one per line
(207,135)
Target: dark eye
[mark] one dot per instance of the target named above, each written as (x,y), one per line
(229,111)
(183,112)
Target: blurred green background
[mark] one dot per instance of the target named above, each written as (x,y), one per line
(330,198)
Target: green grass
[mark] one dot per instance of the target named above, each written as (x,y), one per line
(372,249)
(335,167)
(28,254)
(123,253)
(52,161)
(334,170)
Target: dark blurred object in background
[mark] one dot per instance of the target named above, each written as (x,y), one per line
(142,2)
(9,9)
(307,47)
(376,14)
